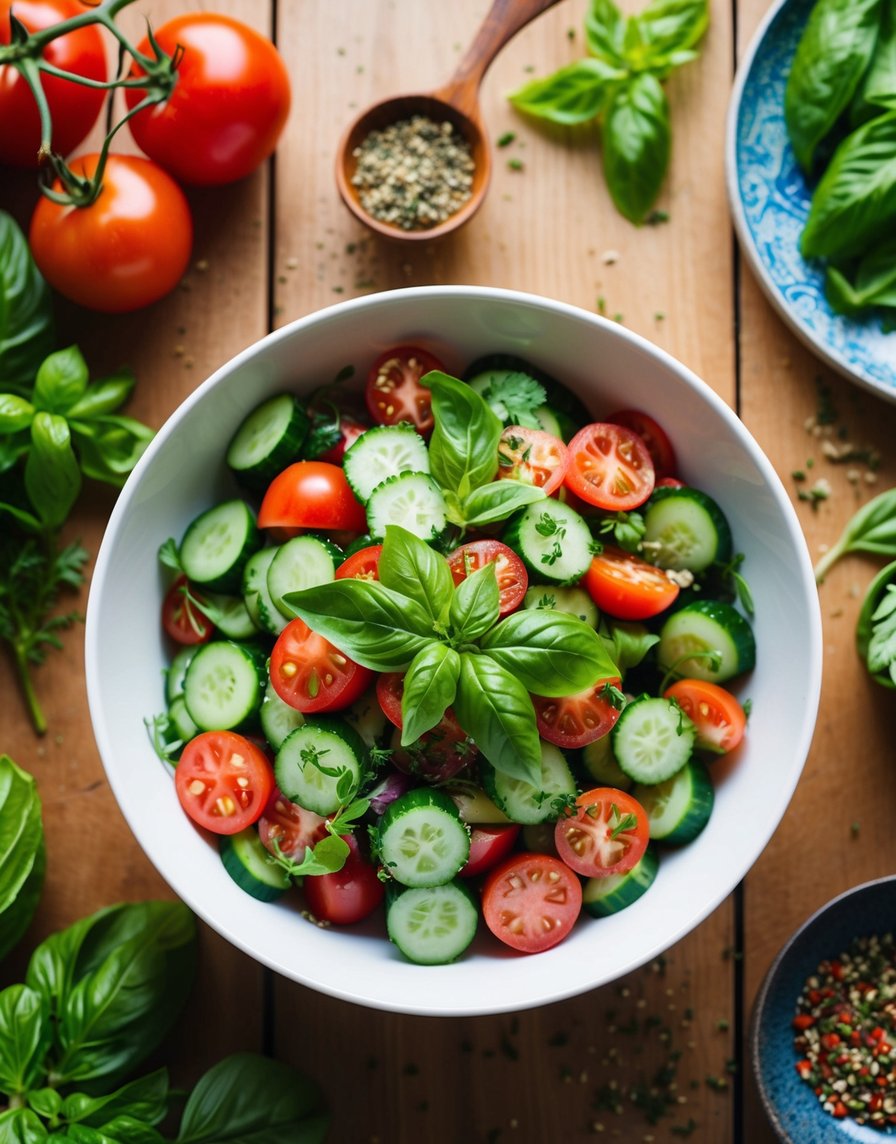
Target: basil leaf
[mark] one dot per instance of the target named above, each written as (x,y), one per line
(61,380)
(409,565)
(494,708)
(144,1099)
(46,1102)
(21,1125)
(463,449)
(875,282)
(476,604)
(249,1098)
(26,313)
(26,1036)
(378,627)
(605,31)
(636,145)
(574,94)
(882,644)
(871,529)
(109,446)
(15,413)
(104,396)
(117,1130)
(52,475)
(668,28)
(549,652)
(21,852)
(878,85)
(28,521)
(497,501)
(429,689)
(626,643)
(833,52)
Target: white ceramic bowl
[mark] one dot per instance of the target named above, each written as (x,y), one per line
(183,473)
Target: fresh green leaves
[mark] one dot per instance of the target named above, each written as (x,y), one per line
(871,529)
(22,857)
(619,84)
(455,649)
(876,629)
(26,315)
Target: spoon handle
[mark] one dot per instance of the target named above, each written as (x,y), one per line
(504,19)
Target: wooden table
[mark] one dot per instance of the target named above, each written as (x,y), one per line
(280,245)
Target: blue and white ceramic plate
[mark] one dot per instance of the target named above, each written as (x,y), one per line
(770,199)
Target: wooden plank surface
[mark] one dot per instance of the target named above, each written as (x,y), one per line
(281,245)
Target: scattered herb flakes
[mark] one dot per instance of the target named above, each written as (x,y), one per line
(515,164)
(506,139)
(854,828)
(657,218)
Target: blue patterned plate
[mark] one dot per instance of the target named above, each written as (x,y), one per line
(770,203)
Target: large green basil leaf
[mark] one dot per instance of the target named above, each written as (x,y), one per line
(574,94)
(831,56)
(463,449)
(636,145)
(874,285)
(378,627)
(429,689)
(876,627)
(249,1099)
(854,203)
(26,314)
(104,396)
(878,87)
(494,708)
(61,380)
(409,565)
(667,29)
(52,474)
(605,31)
(22,1126)
(122,1128)
(626,643)
(26,1035)
(144,1099)
(22,858)
(476,604)
(15,413)
(497,501)
(550,652)
(109,446)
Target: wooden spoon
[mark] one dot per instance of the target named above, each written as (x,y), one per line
(457,102)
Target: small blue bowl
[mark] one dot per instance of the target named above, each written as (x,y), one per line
(790,1103)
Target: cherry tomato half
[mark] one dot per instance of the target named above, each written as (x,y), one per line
(182,620)
(361,565)
(608,834)
(311,675)
(288,827)
(573,721)
(609,467)
(654,437)
(229,104)
(719,718)
(531,901)
(533,457)
(125,250)
(510,572)
(393,392)
(348,895)
(311,494)
(73,106)
(223,781)
(489,843)
(627,587)
(438,755)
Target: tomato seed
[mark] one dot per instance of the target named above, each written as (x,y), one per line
(197,787)
(225,806)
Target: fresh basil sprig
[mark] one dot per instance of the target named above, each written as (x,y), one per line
(871,529)
(455,649)
(26,315)
(619,84)
(22,855)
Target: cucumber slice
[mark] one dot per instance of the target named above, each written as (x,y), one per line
(685,529)
(679,808)
(600,763)
(224,685)
(473,804)
(252,867)
(277,718)
(382,452)
(707,639)
(230,616)
(652,739)
(218,544)
(413,500)
(303,562)
(177,669)
(523,802)
(256,596)
(608,895)
(573,601)
(421,839)
(268,440)
(180,720)
(320,764)
(553,541)
(432,925)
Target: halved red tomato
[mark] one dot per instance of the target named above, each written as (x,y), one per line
(488,845)
(531,901)
(288,827)
(348,895)
(312,494)
(510,571)
(393,392)
(719,718)
(361,565)
(533,457)
(626,586)
(310,674)
(608,834)
(438,755)
(573,721)
(654,437)
(181,619)
(610,467)
(223,781)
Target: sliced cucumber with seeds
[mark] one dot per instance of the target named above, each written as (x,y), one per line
(268,440)
(224,685)
(528,803)
(652,739)
(421,839)
(177,669)
(432,925)
(573,601)
(303,562)
(679,808)
(553,541)
(252,867)
(320,764)
(600,763)
(382,452)
(182,725)
(707,639)
(230,616)
(256,596)
(277,717)
(608,895)
(413,500)
(218,544)
(685,529)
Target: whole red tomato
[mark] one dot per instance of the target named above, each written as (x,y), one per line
(127,249)
(73,107)
(229,103)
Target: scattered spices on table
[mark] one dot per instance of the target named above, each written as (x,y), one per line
(845,1032)
(415,173)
